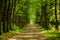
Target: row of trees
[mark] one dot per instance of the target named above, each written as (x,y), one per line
(10,14)
(48,13)
(21,12)
(5,15)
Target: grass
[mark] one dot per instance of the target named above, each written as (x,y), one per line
(7,35)
(15,30)
(53,34)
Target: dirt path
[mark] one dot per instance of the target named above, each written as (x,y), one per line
(31,32)
(29,36)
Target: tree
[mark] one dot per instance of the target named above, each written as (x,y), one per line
(9,14)
(56,21)
(4,15)
(0,14)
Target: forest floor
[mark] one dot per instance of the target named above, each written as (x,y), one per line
(29,36)
(31,32)
(34,36)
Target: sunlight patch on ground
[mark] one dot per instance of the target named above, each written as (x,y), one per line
(12,39)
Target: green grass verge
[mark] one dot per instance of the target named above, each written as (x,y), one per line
(53,34)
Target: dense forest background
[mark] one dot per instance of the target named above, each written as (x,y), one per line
(15,14)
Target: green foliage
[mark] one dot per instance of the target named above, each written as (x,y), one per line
(21,29)
(30,9)
(15,28)
(7,35)
(53,34)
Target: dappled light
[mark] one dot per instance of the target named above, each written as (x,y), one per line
(12,39)
(29,19)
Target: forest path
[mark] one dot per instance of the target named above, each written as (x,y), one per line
(31,32)
(29,36)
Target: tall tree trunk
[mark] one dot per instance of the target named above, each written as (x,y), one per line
(9,12)
(56,20)
(0,21)
(14,11)
(0,15)
(4,16)
(46,24)
(44,16)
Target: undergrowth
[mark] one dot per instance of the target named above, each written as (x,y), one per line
(7,35)
(52,34)
(15,30)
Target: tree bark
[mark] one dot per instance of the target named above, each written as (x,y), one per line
(0,15)
(56,20)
